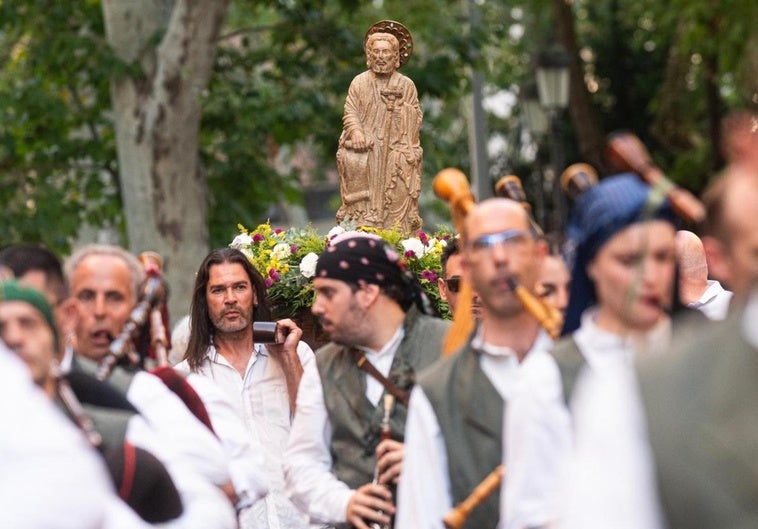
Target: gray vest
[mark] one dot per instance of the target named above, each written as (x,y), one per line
(469,411)
(355,421)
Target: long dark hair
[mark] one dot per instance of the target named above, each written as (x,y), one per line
(201,327)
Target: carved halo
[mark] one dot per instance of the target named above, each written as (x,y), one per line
(400,32)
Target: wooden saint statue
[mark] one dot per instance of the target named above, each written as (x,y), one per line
(379,154)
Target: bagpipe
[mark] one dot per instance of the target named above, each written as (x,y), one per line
(151,308)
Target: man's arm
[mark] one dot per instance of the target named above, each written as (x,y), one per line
(307,462)
(423,494)
(285,351)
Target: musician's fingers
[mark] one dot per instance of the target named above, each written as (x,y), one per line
(392,473)
(388,445)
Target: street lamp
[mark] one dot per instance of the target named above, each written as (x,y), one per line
(553,74)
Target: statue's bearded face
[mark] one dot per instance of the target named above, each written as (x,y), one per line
(382,58)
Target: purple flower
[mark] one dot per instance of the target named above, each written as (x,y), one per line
(429,275)
(409,254)
(293,249)
(423,237)
(269,282)
(257,238)
(273,274)
(277,230)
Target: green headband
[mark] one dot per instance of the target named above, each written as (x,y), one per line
(12,290)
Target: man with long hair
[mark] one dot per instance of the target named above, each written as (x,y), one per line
(260,379)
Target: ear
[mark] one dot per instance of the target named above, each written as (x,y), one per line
(367,295)
(67,314)
(717,255)
(442,287)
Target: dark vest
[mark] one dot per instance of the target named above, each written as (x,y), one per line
(355,421)
(469,411)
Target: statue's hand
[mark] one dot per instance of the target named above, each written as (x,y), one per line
(358,142)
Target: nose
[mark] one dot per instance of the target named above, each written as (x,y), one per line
(99,306)
(230,298)
(500,252)
(316,308)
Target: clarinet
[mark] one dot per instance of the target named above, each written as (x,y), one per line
(385,432)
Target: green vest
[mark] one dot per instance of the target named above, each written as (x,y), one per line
(469,411)
(354,420)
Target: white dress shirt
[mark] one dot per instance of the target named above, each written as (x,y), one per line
(424,490)
(261,399)
(308,462)
(606,478)
(714,302)
(246,465)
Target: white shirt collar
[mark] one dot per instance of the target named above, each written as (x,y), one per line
(390,347)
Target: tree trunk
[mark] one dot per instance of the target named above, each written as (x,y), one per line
(157,116)
(590,137)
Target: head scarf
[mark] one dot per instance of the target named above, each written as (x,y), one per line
(359,259)
(12,290)
(600,213)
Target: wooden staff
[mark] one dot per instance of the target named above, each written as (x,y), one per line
(458,515)
(626,151)
(452,186)
(577,178)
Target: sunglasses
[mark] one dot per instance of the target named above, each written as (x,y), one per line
(508,239)
(453,284)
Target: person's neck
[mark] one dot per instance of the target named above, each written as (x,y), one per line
(234,345)
(385,324)
(691,290)
(517,332)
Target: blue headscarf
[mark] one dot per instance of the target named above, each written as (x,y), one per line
(600,213)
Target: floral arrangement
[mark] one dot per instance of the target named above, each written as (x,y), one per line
(287,259)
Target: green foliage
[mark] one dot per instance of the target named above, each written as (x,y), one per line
(281,75)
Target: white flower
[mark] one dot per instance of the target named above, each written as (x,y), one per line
(308,265)
(243,240)
(281,251)
(414,245)
(337,230)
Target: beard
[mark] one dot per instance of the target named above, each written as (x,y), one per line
(382,68)
(244,318)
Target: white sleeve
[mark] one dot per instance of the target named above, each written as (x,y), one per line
(423,494)
(311,485)
(178,429)
(49,475)
(245,463)
(536,445)
(204,505)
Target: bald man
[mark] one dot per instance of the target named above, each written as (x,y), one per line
(731,237)
(454,434)
(695,289)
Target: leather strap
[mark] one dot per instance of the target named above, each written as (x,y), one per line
(363,363)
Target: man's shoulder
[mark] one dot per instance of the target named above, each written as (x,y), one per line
(443,368)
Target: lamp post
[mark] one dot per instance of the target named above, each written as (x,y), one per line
(553,87)
(536,122)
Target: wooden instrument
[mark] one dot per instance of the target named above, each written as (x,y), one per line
(458,515)
(509,186)
(626,152)
(452,186)
(577,178)
(385,432)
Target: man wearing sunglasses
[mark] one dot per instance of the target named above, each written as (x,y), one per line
(449,284)
(455,421)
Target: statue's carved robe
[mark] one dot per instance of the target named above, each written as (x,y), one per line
(381,187)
